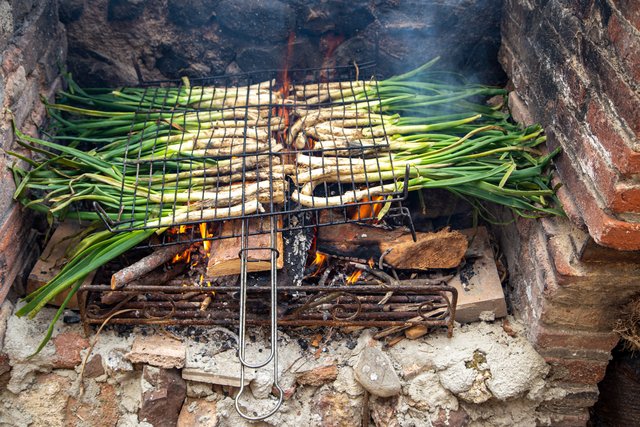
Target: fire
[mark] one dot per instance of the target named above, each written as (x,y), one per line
(186,256)
(368,210)
(204,232)
(319,261)
(371,263)
(353,278)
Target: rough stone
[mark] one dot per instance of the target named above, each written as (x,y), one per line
(116,361)
(317,376)
(69,346)
(384,412)
(336,409)
(100,408)
(198,412)
(124,10)
(376,374)
(197,389)
(425,393)
(191,13)
(5,371)
(158,350)
(262,384)
(70,10)
(161,404)
(94,368)
(271,20)
(43,404)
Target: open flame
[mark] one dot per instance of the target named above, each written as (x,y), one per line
(353,277)
(204,232)
(368,211)
(318,262)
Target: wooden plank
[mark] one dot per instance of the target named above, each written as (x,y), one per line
(224,259)
(53,259)
(442,249)
(478,284)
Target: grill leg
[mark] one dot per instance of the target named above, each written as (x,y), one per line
(273,355)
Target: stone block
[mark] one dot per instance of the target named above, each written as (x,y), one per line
(198,412)
(158,350)
(376,374)
(162,401)
(100,410)
(478,284)
(229,378)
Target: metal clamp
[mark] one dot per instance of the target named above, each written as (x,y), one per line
(273,355)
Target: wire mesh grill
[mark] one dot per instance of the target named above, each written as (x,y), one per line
(250,147)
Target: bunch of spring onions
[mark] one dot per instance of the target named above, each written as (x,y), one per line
(155,157)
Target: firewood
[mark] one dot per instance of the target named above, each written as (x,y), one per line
(415,332)
(224,259)
(147,264)
(51,262)
(443,249)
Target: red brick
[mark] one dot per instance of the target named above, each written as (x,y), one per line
(576,370)
(618,196)
(549,337)
(605,230)
(606,129)
(630,11)
(614,85)
(626,45)
(579,419)
(69,346)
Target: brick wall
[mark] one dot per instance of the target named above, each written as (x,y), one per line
(576,66)
(32,46)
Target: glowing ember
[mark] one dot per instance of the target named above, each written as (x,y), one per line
(371,262)
(353,278)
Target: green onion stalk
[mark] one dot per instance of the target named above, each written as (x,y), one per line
(155,157)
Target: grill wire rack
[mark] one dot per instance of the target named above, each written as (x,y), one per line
(259,152)
(245,135)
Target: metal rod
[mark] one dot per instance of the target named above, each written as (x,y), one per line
(273,354)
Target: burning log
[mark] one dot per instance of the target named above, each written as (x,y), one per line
(443,249)
(224,257)
(146,265)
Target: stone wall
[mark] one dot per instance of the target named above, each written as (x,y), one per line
(33,47)
(487,374)
(575,66)
(171,38)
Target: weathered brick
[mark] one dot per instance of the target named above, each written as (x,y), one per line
(39,29)
(549,337)
(606,128)
(629,10)
(626,45)
(577,419)
(605,230)
(576,370)
(69,346)
(614,85)
(573,400)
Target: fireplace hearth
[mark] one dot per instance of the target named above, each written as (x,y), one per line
(168,356)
